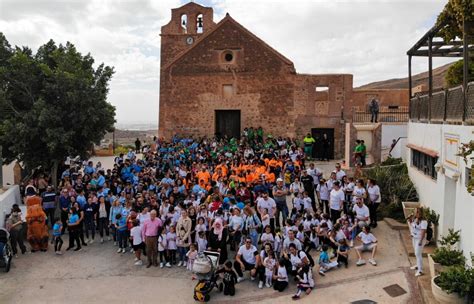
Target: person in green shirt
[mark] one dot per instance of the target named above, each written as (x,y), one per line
(308,145)
(358,150)
(260,134)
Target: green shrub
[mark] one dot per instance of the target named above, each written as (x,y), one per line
(390,161)
(448,257)
(395,188)
(456,279)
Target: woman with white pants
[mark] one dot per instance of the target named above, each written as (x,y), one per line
(418,227)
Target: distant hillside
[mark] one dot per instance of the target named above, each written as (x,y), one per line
(402,83)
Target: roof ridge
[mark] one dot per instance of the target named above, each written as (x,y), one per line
(217,26)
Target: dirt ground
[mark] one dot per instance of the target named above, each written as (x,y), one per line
(98,274)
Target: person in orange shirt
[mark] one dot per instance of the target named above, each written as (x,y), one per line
(217,174)
(204,175)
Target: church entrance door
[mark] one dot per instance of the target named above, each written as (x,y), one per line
(228,123)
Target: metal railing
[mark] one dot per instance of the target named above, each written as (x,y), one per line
(386,114)
(444,106)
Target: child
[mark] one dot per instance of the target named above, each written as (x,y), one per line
(171,239)
(282,277)
(265,217)
(137,242)
(298,202)
(343,253)
(323,192)
(201,241)
(307,203)
(162,247)
(325,263)
(269,264)
(278,242)
(300,234)
(305,281)
(121,226)
(58,241)
(191,254)
(267,236)
(201,225)
(229,279)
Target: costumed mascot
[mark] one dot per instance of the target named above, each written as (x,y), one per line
(37,233)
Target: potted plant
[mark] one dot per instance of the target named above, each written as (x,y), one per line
(447,254)
(433,220)
(453,285)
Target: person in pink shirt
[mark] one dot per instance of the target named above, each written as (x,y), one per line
(150,235)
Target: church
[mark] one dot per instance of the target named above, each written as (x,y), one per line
(219,78)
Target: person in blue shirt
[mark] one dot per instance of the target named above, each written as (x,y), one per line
(100,179)
(64,203)
(121,226)
(89,168)
(81,199)
(58,241)
(73,227)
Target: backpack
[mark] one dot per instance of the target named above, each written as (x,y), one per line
(429,233)
(310,258)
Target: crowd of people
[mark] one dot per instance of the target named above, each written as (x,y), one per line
(255,201)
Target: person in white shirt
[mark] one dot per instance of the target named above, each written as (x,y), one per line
(374,200)
(247,258)
(137,242)
(339,172)
(281,281)
(336,202)
(418,226)
(359,191)
(361,213)
(269,203)
(315,173)
(369,243)
(323,195)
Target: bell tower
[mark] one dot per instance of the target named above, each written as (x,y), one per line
(187,23)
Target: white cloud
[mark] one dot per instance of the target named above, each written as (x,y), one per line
(366,38)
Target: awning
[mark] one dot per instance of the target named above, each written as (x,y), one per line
(427,151)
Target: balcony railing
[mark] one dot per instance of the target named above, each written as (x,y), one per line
(444,107)
(386,114)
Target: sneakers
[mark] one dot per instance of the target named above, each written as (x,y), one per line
(136,259)
(414,267)
(91,241)
(180,263)
(418,273)
(131,251)
(119,250)
(139,263)
(168,265)
(240,279)
(295,297)
(252,278)
(162,264)
(123,250)
(268,285)
(78,249)
(373,262)
(102,240)
(108,238)
(321,273)
(360,262)
(260,284)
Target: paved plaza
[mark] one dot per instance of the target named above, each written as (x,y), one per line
(98,274)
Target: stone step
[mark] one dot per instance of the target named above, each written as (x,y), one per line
(395,225)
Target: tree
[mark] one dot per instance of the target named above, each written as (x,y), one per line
(454,75)
(453,16)
(56,104)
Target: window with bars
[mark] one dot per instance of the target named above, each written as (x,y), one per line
(468,176)
(424,162)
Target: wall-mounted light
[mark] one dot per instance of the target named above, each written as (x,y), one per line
(438,166)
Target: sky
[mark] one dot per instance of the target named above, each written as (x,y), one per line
(368,39)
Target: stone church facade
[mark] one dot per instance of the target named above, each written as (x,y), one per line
(218,78)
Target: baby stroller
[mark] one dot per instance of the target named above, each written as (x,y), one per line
(6,254)
(205,267)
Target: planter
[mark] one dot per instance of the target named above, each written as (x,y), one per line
(409,208)
(435,268)
(443,297)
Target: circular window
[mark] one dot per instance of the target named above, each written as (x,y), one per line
(228,57)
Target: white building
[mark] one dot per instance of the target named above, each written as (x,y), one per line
(434,147)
